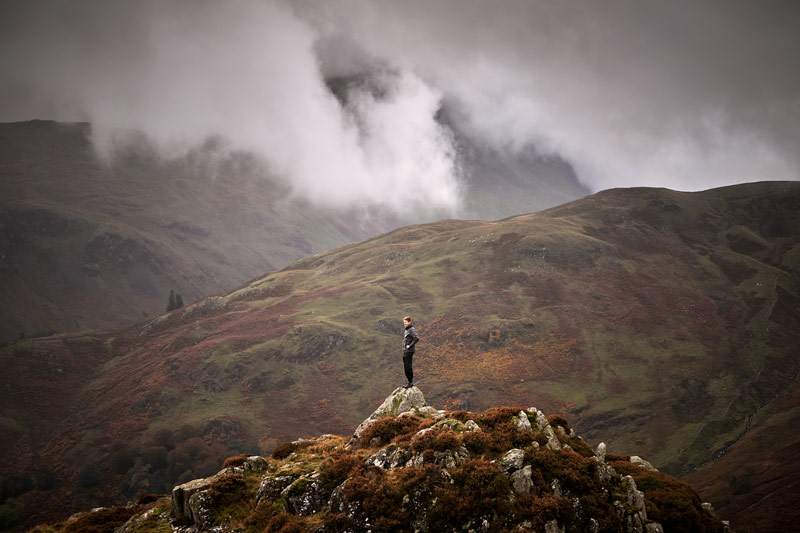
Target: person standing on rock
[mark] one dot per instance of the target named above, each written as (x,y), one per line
(410,339)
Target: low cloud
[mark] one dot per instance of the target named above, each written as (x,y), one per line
(680,94)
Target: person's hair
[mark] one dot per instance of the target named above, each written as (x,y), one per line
(407,318)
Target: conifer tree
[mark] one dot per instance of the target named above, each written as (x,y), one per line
(171,304)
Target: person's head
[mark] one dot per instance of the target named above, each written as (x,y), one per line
(406,321)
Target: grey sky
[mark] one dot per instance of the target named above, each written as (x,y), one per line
(680,94)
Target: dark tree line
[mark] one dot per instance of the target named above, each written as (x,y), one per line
(175,301)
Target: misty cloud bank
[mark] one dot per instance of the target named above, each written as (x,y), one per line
(342,97)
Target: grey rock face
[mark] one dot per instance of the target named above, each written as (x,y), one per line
(182,494)
(202,514)
(471,425)
(389,457)
(522,421)
(521,480)
(271,487)
(641,463)
(304,496)
(398,402)
(254,463)
(601,452)
(512,459)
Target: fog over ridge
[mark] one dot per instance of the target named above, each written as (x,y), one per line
(680,94)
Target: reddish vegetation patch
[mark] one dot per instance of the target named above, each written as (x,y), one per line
(670,502)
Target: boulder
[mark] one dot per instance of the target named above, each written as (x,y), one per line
(471,425)
(641,463)
(305,496)
(183,493)
(254,463)
(552,527)
(271,487)
(521,480)
(522,421)
(398,402)
(512,460)
(601,452)
(202,513)
(389,457)
(552,441)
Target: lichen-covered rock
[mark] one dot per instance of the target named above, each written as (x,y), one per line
(254,463)
(398,402)
(201,511)
(389,457)
(271,487)
(552,441)
(521,480)
(522,421)
(305,496)
(182,494)
(512,460)
(641,463)
(471,425)
(601,452)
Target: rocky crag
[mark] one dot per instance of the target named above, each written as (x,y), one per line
(411,467)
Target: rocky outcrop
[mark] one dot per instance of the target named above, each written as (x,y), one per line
(400,401)
(431,471)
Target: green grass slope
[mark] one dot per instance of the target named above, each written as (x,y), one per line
(663,323)
(93,244)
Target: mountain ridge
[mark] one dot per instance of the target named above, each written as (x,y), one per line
(653,319)
(79,231)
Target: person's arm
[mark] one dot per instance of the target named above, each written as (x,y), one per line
(414,337)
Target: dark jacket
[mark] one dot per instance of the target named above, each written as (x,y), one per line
(410,339)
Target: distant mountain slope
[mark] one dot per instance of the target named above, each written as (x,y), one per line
(665,323)
(84,244)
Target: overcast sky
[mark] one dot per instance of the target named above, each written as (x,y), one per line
(682,94)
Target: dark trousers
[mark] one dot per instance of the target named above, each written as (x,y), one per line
(407,361)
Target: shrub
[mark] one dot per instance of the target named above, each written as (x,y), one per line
(262,514)
(335,522)
(341,467)
(89,476)
(492,418)
(556,420)
(236,460)
(479,489)
(386,429)
(574,472)
(285,449)
(476,442)
(45,478)
(10,514)
(285,523)
(439,440)
(580,447)
(144,499)
(669,501)
(228,489)
(379,497)
(540,509)
(102,521)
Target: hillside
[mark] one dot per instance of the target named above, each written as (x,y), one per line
(411,467)
(663,323)
(91,244)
